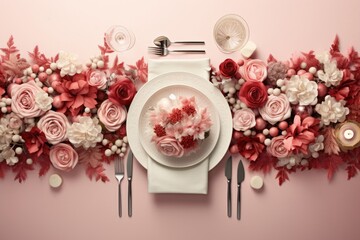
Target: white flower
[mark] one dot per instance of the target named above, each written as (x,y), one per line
(5,134)
(67,64)
(301,90)
(332,111)
(318,145)
(8,154)
(85,133)
(331,75)
(323,57)
(43,101)
(290,161)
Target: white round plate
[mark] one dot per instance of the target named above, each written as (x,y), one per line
(205,147)
(172,79)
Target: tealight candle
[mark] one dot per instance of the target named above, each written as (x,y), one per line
(348,134)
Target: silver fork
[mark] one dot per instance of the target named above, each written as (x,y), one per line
(163,51)
(119,175)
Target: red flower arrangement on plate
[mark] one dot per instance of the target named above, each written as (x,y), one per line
(178,125)
(57,112)
(297,114)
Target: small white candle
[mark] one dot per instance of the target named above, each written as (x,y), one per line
(55,180)
(348,134)
(256,182)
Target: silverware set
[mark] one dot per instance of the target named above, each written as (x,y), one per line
(162,44)
(119,175)
(240,179)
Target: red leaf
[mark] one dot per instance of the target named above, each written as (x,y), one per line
(38,57)
(21,169)
(3,168)
(11,48)
(117,67)
(44,162)
(97,172)
(263,163)
(282,175)
(334,162)
(105,49)
(352,171)
(335,45)
(271,59)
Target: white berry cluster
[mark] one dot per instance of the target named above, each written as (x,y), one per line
(119,147)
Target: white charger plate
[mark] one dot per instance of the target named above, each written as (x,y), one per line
(205,147)
(172,79)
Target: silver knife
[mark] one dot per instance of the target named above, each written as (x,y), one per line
(240,179)
(228,173)
(129,170)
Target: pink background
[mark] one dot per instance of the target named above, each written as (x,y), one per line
(307,207)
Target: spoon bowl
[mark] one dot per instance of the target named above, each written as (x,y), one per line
(163,41)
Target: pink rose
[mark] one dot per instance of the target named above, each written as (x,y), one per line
(97,79)
(244,119)
(169,146)
(276,109)
(277,147)
(63,157)
(111,115)
(254,70)
(54,125)
(23,100)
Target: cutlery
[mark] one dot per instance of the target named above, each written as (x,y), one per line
(240,179)
(129,170)
(163,51)
(119,175)
(228,173)
(164,41)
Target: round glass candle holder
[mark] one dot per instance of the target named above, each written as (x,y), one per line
(119,38)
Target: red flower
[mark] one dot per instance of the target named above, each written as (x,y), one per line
(175,116)
(229,68)
(76,93)
(122,91)
(253,94)
(159,130)
(250,147)
(301,133)
(189,109)
(188,142)
(35,142)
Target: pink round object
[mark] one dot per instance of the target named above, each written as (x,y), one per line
(237,135)
(35,68)
(301,72)
(57,103)
(8,109)
(260,124)
(274,131)
(234,149)
(283,125)
(261,137)
(42,76)
(30,79)
(18,80)
(291,72)
(55,77)
(240,62)
(322,90)
(45,89)
(308,75)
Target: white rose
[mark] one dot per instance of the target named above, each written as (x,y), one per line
(43,101)
(67,64)
(332,111)
(301,90)
(85,133)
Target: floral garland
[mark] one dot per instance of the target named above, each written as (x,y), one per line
(55,111)
(288,115)
(297,114)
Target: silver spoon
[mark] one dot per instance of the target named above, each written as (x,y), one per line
(164,41)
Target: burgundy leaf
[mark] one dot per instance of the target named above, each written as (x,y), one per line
(97,173)
(335,45)
(21,169)
(263,163)
(282,175)
(352,171)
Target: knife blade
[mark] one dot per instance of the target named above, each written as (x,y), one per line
(228,173)
(129,171)
(240,179)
